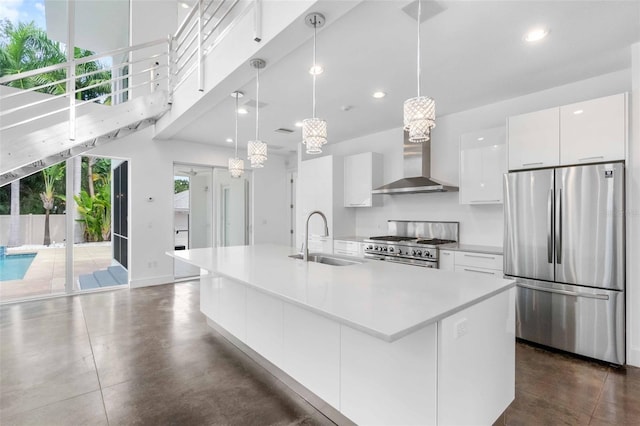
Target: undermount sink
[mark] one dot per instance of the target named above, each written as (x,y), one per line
(328,260)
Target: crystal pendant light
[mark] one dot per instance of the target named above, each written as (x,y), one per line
(257,149)
(236,165)
(314,130)
(419,112)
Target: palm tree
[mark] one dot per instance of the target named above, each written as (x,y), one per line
(51,175)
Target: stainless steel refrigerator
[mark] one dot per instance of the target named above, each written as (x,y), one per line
(564,245)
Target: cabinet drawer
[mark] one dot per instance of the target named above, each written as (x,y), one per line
(479,271)
(348,248)
(479,260)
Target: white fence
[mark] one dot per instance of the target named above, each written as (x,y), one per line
(32,228)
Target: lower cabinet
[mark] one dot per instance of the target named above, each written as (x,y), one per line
(232,307)
(210,296)
(312,352)
(471,262)
(319,244)
(348,248)
(264,325)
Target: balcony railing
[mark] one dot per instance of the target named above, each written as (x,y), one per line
(132,71)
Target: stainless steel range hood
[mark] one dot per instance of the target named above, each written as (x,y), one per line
(417,171)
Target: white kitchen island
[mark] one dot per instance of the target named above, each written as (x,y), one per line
(381,343)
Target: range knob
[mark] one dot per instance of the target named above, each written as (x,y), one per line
(391,249)
(384,248)
(370,247)
(418,253)
(399,251)
(426,254)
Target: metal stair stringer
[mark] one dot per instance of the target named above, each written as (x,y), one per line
(30,153)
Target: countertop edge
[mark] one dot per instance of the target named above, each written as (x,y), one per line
(473,248)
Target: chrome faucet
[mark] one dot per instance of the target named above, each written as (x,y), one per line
(305,254)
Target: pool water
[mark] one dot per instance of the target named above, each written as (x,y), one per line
(14,266)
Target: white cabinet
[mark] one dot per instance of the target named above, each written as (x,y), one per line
(483,161)
(534,139)
(593,131)
(362,174)
(320,244)
(348,248)
(478,263)
(447,260)
(321,187)
(312,352)
(264,325)
(232,307)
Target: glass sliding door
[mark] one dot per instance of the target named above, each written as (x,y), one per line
(192,212)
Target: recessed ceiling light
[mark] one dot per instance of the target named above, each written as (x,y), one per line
(242,111)
(536,34)
(229,140)
(184,5)
(578,112)
(481,139)
(315,70)
(379,95)
(298,123)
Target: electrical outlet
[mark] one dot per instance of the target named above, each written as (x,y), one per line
(460,328)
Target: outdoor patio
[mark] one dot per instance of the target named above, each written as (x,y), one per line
(46,274)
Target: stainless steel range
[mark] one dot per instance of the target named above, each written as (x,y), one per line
(412,242)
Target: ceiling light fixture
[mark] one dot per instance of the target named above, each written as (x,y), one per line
(578,112)
(314,130)
(243,111)
(379,95)
(236,165)
(257,149)
(229,140)
(298,123)
(184,5)
(536,34)
(419,112)
(316,70)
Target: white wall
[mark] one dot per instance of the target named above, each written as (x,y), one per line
(478,224)
(151,176)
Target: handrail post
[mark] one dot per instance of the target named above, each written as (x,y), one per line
(200,59)
(170,68)
(71,69)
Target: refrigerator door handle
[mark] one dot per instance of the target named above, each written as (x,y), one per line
(565,292)
(559,229)
(549,227)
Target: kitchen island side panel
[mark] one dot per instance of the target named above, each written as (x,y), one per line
(383,383)
(476,362)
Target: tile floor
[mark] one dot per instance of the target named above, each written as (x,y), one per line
(146,356)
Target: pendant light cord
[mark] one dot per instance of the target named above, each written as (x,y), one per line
(419,69)
(257,100)
(237,124)
(315,25)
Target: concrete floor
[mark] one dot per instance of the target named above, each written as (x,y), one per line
(146,356)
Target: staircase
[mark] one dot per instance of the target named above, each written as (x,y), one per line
(112,276)
(38,129)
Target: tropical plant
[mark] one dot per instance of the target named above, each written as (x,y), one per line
(51,175)
(95,211)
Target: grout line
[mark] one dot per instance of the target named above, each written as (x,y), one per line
(93,357)
(601,392)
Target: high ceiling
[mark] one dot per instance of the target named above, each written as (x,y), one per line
(473,54)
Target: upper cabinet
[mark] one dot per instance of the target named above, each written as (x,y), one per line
(483,161)
(593,131)
(362,174)
(586,132)
(534,139)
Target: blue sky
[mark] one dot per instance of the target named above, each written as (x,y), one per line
(23,11)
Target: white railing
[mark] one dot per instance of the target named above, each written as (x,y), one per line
(58,93)
(131,73)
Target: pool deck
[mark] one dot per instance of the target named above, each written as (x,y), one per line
(46,275)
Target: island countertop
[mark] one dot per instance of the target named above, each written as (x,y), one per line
(383,299)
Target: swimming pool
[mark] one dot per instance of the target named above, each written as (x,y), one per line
(14,266)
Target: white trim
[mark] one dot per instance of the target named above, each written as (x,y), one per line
(146,282)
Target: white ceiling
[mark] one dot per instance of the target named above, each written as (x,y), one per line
(472,54)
